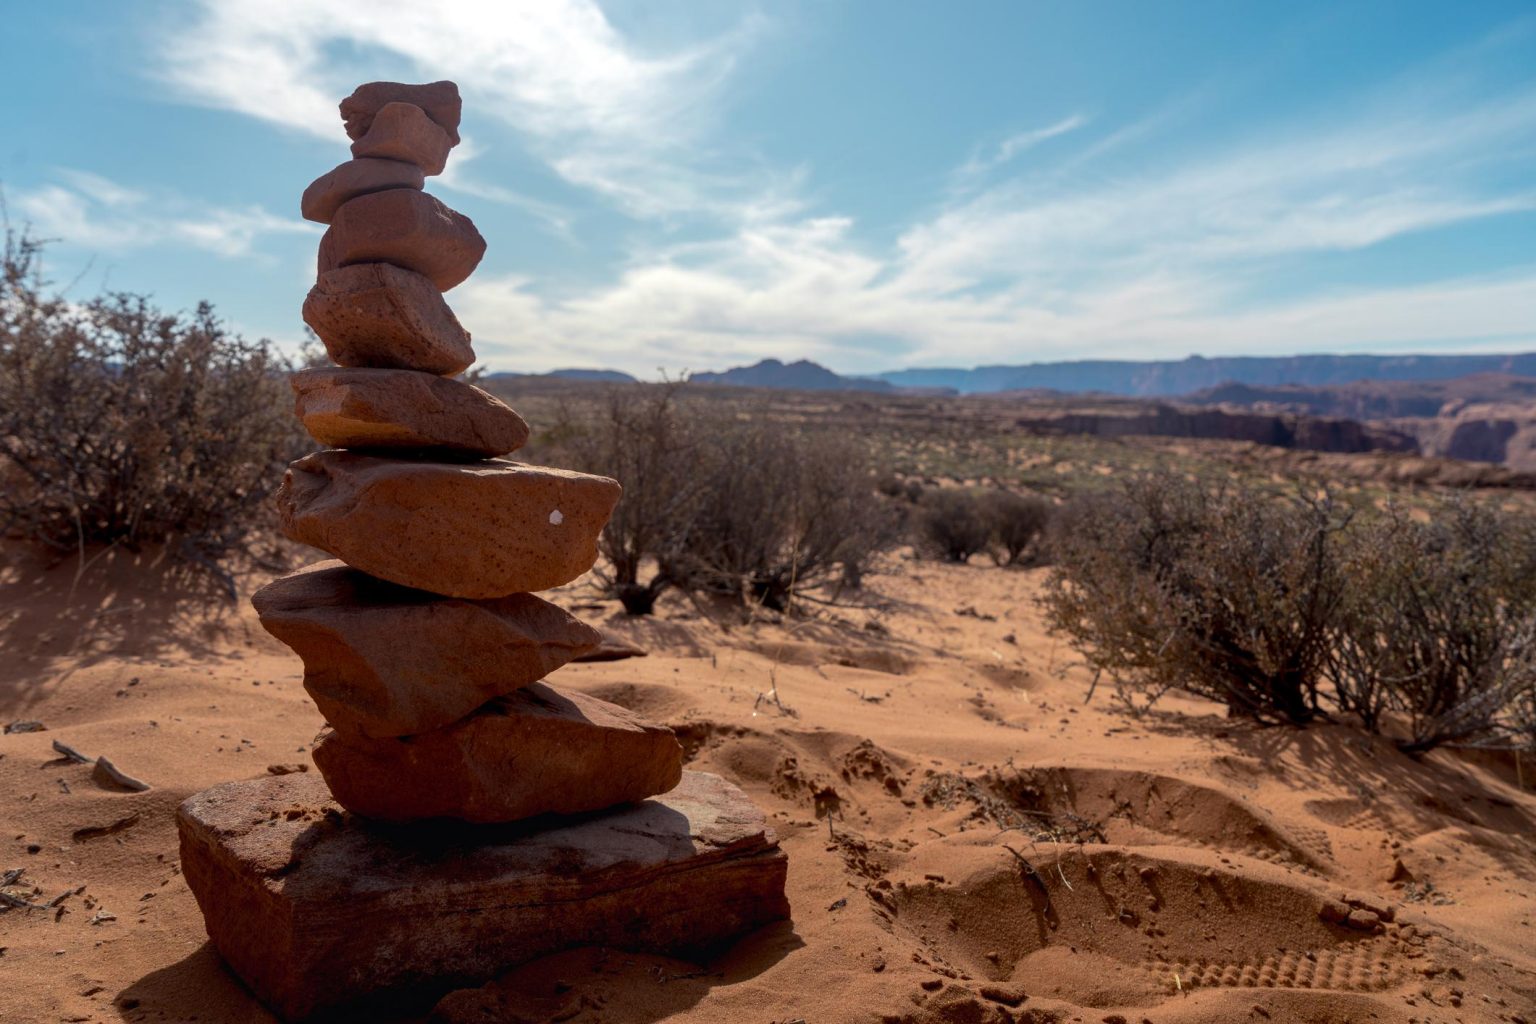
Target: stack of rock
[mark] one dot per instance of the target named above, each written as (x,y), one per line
(424,648)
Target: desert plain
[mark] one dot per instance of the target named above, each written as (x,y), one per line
(975,832)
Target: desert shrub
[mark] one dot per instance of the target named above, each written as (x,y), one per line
(1439,629)
(1227,593)
(780,513)
(123,424)
(1017,523)
(909,490)
(953,523)
(640,436)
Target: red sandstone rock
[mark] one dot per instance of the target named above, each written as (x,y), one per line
(439,99)
(375,314)
(352,179)
(536,750)
(382,660)
(403,131)
(374,409)
(406,228)
(477,530)
(315,909)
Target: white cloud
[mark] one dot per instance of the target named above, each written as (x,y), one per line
(94,212)
(980,164)
(1157,263)
(1076,251)
(603,113)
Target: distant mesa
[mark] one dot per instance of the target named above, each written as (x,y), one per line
(596,376)
(801,375)
(577,374)
(1165,379)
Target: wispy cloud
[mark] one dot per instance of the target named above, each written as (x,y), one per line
(603,113)
(1056,241)
(1049,265)
(984,161)
(96,213)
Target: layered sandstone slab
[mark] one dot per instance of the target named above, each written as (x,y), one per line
(537,750)
(375,314)
(405,228)
(317,910)
(404,410)
(440,100)
(382,660)
(403,131)
(352,179)
(476,530)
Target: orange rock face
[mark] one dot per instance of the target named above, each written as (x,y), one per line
(314,908)
(382,660)
(477,530)
(403,131)
(375,314)
(352,179)
(439,99)
(404,410)
(406,228)
(537,750)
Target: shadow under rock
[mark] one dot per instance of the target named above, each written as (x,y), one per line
(196,988)
(596,983)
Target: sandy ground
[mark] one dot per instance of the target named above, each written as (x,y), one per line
(968,840)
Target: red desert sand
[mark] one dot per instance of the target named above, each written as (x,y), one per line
(1248,874)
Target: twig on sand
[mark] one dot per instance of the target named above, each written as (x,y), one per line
(71,753)
(10,901)
(105,771)
(1034,876)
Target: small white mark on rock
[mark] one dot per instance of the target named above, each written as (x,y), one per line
(555,518)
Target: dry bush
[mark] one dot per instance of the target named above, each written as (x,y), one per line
(1017,522)
(641,437)
(1439,630)
(120,423)
(1168,584)
(953,523)
(716,503)
(781,513)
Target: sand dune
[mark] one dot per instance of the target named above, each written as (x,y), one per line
(968,840)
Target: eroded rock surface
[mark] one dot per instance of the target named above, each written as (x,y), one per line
(405,228)
(537,750)
(314,908)
(352,179)
(404,410)
(403,131)
(382,660)
(375,314)
(439,99)
(481,529)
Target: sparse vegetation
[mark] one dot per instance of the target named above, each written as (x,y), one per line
(1017,523)
(1441,625)
(123,424)
(640,437)
(742,507)
(1224,592)
(1290,607)
(953,523)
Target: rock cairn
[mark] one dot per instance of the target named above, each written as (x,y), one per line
(425,650)
(423,646)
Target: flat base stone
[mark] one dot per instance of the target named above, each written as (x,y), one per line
(322,913)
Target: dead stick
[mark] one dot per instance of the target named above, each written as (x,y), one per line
(71,753)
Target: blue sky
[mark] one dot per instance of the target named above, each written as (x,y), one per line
(671,186)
